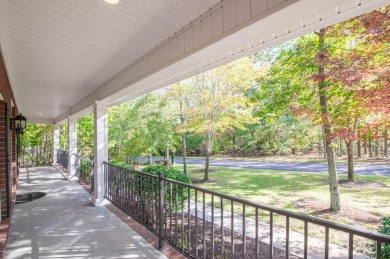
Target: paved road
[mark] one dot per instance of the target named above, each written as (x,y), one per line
(380,169)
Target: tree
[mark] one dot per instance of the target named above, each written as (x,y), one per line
(336,66)
(140,127)
(181,94)
(219,102)
(85,134)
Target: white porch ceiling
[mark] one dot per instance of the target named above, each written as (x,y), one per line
(63,55)
(57,52)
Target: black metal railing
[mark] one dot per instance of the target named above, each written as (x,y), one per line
(204,224)
(62,158)
(84,170)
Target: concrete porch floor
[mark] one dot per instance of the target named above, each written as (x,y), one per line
(64,223)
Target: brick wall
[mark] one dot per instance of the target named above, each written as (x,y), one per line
(5,86)
(8,99)
(3,161)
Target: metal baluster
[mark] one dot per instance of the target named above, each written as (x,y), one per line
(137,196)
(212,226)
(196,223)
(176,212)
(146,202)
(305,240)
(143,199)
(165,209)
(378,249)
(122,188)
(232,227)
(157,203)
(170,211)
(244,228)
(148,212)
(189,221)
(222,234)
(204,225)
(132,194)
(326,242)
(271,234)
(182,218)
(144,205)
(350,246)
(257,232)
(160,202)
(287,237)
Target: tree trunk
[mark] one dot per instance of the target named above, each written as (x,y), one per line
(365,147)
(183,137)
(184,147)
(351,169)
(370,147)
(324,142)
(386,148)
(208,152)
(333,178)
(149,159)
(167,155)
(377,144)
(319,141)
(234,144)
(359,149)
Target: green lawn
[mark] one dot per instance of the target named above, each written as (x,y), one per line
(286,189)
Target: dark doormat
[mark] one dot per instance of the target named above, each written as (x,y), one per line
(30,196)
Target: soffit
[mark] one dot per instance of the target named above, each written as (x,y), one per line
(58,52)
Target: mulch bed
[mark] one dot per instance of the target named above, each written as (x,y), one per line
(86,186)
(358,184)
(321,209)
(197,242)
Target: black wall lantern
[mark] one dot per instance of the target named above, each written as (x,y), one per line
(19,123)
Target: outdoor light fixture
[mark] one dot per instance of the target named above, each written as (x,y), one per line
(19,123)
(111,1)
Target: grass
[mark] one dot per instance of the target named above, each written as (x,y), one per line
(286,189)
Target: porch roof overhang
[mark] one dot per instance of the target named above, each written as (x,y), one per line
(62,56)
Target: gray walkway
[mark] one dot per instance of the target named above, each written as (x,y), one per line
(64,224)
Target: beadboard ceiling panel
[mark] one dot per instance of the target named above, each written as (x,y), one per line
(63,55)
(59,51)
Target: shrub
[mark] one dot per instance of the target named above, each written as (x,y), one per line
(85,169)
(169,172)
(177,191)
(383,229)
(122,164)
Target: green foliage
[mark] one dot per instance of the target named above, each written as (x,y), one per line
(36,145)
(85,169)
(169,172)
(383,229)
(177,191)
(85,131)
(140,127)
(122,164)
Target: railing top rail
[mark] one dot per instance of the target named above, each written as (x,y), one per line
(131,170)
(310,219)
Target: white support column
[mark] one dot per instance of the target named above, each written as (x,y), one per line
(100,149)
(72,130)
(56,142)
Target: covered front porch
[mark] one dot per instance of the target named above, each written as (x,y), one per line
(64,223)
